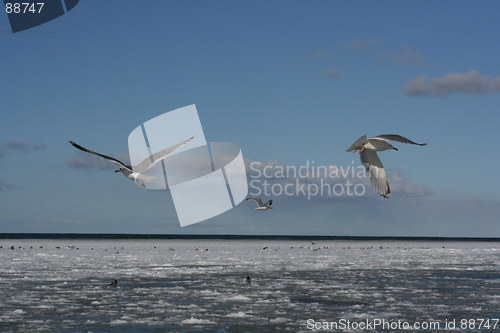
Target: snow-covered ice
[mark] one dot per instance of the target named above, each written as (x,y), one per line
(179,285)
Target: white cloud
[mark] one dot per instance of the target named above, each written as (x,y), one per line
(408,58)
(318,55)
(400,185)
(23,147)
(452,83)
(331,73)
(362,43)
(6,186)
(16,147)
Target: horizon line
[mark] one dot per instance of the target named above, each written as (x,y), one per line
(20,235)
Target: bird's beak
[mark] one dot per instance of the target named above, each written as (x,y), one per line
(117,171)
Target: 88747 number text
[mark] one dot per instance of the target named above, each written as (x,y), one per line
(16,7)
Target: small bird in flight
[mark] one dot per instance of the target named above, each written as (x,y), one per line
(261,206)
(114,283)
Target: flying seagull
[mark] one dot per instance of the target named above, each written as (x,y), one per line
(114,283)
(368,148)
(136,173)
(262,206)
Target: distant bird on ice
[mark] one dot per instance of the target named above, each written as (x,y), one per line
(261,206)
(138,175)
(249,279)
(114,283)
(368,148)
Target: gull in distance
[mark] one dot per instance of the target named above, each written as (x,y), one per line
(261,206)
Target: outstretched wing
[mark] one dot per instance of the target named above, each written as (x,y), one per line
(149,162)
(257,200)
(269,203)
(358,144)
(375,169)
(398,138)
(111,159)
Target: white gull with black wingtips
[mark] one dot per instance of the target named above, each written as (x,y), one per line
(261,206)
(136,173)
(368,148)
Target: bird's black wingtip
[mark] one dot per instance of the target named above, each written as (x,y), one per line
(76,145)
(386,195)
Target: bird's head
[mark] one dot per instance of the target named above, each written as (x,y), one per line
(360,148)
(119,170)
(359,144)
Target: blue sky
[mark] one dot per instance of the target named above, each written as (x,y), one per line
(290,82)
